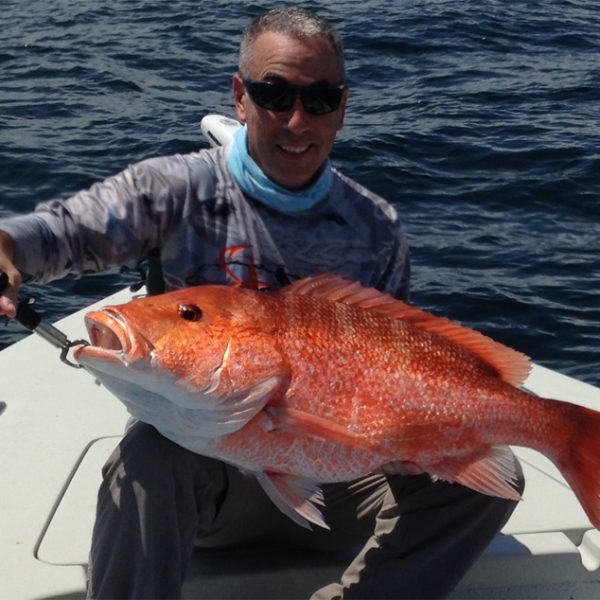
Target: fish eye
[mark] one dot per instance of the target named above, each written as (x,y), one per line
(190,312)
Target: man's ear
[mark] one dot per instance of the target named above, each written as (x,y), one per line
(342,108)
(239,96)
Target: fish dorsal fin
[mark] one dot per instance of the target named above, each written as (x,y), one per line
(512,366)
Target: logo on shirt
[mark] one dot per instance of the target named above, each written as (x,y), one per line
(241,255)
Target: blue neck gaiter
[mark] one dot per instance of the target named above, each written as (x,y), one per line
(256,184)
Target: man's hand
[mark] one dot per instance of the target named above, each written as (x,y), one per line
(8,295)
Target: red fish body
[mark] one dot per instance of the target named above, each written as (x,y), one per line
(327,381)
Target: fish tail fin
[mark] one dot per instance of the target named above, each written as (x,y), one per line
(579,459)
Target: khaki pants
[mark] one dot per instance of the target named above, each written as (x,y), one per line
(158,501)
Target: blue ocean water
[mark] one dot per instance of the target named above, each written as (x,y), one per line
(479,120)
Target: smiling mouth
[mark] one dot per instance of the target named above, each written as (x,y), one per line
(294,149)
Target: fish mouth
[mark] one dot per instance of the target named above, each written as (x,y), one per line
(112,339)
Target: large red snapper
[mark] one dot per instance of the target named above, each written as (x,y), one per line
(327,381)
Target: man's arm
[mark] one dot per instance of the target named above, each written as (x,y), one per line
(115,222)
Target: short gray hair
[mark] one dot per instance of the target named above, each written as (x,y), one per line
(293,22)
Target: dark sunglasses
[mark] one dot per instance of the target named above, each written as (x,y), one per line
(280,97)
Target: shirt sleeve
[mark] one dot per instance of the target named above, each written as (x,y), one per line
(115,222)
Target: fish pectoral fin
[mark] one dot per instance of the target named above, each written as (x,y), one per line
(296,497)
(216,415)
(492,472)
(297,421)
(238,408)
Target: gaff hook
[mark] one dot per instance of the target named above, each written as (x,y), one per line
(32,320)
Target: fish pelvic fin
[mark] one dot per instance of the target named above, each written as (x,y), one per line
(493,471)
(510,365)
(296,497)
(579,458)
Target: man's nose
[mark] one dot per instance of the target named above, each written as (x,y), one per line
(298,117)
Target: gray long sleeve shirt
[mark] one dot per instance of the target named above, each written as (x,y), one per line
(192,210)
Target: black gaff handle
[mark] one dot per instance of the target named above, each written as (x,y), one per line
(28,317)
(32,320)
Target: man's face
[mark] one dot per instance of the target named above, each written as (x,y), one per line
(290,147)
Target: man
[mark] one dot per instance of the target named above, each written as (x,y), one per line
(274,205)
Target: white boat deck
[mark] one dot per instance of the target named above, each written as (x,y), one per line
(58,428)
